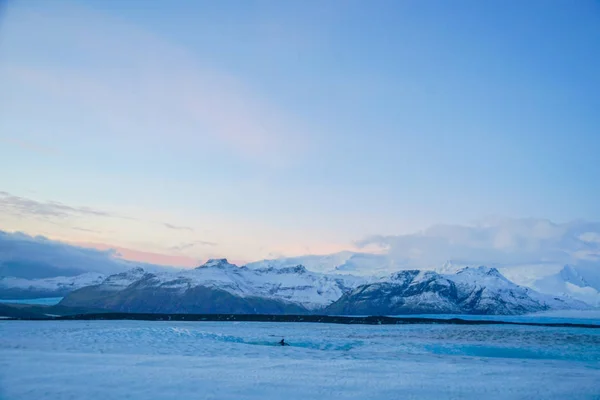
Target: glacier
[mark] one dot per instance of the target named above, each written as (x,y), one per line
(16,288)
(209,360)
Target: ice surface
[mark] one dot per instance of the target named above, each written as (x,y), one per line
(210,360)
(44,301)
(55,283)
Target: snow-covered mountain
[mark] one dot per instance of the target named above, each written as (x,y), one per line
(479,290)
(574,282)
(120,281)
(345,262)
(20,288)
(581,282)
(294,283)
(221,286)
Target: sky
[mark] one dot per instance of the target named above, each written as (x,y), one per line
(185,130)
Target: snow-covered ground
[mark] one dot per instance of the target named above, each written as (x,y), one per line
(208,360)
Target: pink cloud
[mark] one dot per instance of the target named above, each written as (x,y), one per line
(151,257)
(144,256)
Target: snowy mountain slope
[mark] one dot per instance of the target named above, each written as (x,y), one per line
(479,290)
(294,284)
(221,287)
(120,281)
(527,274)
(218,278)
(571,282)
(581,282)
(493,286)
(17,288)
(346,262)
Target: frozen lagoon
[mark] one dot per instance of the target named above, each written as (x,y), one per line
(238,360)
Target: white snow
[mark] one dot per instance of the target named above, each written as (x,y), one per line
(545,277)
(122,280)
(494,282)
(292,284)
(314,290)
(569,282)
(100,360)
(486,287)
(52,284)
(345,262)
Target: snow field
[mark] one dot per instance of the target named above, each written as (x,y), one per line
(209,360)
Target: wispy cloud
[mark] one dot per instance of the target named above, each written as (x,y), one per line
(61,214)
(76,228)
(189,245)
(22,206)
(144,256)
(177,228)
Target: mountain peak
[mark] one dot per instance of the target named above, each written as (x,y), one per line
(474,290)
(298,269)
(481,270)
(404,276)
(133,273)
(570,274)
(216,262)
(124,279)
(450,267)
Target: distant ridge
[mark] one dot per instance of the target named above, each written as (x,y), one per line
(328,319)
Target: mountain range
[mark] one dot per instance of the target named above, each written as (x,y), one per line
(344,262)
(348,282)
(479,290)
(580,282)
(557,259)
(221,287)
(216,287)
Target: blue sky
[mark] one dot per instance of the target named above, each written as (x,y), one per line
(195,129)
